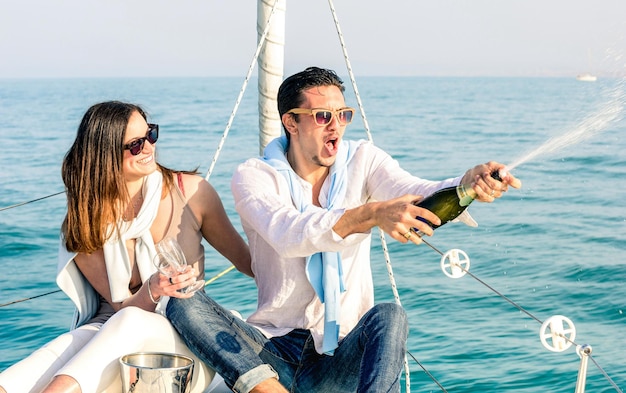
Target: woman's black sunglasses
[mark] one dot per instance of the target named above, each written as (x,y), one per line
(136,146)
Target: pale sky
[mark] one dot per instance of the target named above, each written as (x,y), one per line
(133,38)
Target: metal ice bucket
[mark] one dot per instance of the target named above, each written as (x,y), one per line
(156,372)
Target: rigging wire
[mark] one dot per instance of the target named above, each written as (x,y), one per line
(29,298)
(428,373)
(31,201)
(484,283)
(207,282)
(606,376)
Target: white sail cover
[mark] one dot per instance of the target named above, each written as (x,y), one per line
(270,67)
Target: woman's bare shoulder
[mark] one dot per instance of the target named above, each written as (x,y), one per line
(199,191)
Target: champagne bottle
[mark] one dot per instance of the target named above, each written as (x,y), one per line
(448,203)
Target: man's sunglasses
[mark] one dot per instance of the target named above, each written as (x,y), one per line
(325,116)
(136,146)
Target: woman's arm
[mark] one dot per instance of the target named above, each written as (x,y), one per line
(216,227)
(93,267)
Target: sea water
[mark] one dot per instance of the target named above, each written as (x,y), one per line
(554,247)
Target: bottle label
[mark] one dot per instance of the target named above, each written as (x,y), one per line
(465,197)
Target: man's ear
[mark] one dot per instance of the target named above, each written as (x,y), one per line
(290,123)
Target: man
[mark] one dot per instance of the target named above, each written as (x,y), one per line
(308,208)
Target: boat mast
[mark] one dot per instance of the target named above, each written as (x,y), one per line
(270,67)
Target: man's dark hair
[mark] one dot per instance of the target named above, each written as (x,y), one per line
(290,91)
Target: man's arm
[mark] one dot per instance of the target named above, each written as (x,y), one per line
(395,216)
(398,216)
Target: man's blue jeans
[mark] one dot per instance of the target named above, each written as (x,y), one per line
(368,359)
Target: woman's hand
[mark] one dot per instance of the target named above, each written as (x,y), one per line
(170,286)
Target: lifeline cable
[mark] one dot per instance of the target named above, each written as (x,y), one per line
(31,201)
(606,376)
(29,298)
(209,281)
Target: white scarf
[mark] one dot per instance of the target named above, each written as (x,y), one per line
(78,289)
(116,256)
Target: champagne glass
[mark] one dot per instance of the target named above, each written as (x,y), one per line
(170,261)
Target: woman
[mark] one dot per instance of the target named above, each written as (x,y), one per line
(120,203)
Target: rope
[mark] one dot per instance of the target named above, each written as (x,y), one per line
(210,280)
(396,296)
(349,68)
(242,91)
(383,241)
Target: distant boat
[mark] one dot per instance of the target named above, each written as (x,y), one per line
(586,77)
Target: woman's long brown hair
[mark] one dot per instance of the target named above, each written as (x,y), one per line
(94,180)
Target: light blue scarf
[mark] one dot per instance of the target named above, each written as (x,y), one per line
(323,269)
